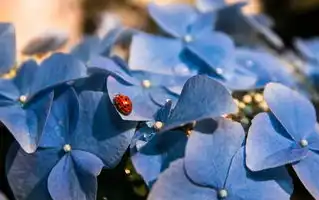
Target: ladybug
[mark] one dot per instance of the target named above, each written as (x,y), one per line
(123,104)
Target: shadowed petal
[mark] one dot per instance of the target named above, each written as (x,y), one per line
(290,108)
(174,185)
(143,107)
(265,185)
(57,69)
(269,145)
(174,19)
(146,53)
(25,76)
(27,173)
(66,181)
(306,170)
(87,162)
(27,123)
(8,47)
(87,48)
(9,93)
(210,150)
(194,104)
(100,130)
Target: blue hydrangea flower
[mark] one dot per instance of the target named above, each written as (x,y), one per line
(147,91)
(46,42)
(25,100)
(266,67)
(191,31)
(287,135)
(214,168)
(309,49)
(214,5)
(157,143)
(8,47)
(83,134)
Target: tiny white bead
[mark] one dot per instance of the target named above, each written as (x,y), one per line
(222,193)
(219,71)
(158,125)
(188,38)
(146,83)
(303,143)
(23,98)
(67,148)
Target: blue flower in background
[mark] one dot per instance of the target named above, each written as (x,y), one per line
(214,5)
(309,49)
(25,100)
(156,144)
(8,47)
(287,135)
(191,31)
(214,168)
(83,134)
(147,91)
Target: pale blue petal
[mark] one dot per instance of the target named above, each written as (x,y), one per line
(146,53)
(290,108)
(173,19)
(100,130)
(143,107)
(265,185)
(269,145)
(306,170)
(173,184)
(8,47)
(309,49)
(204,22)
(66,181)
(27,173)
(210,150)
(194,104)
(210,5)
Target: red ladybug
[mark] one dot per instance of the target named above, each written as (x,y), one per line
(123,104)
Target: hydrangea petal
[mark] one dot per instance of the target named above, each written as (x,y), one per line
(194,104)
(210,5)
(204,22)
(100,130)
(214,48)
(58,69)
(146,53)
(269,145)
(161,95)
(308,48)
(8,47)
(27,124)
(290,108)
(87,162)
(143,108)
(88,46)
(173,184)
(244,184)
(66,181)
(27,173)
(174,19)
(9,93)
(62,120)
(25,76)
(216,142)
(306,170)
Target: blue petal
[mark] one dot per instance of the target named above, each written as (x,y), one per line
(159,152)
(9,92)
(87,48)
(210,150)
(143,107)
(306,170)
(269,145)
(214,48)
(8,47)
(27,173)
(62,120)
(173,184)
(243,184)
(194,103)
(46,42)
(100,130)
(203,23)
(27,123)
(290,108)
(146,53)
(25,76)
(161,95)
(210,5)
(174,19)
(308,48)
(57,69)
(164,112)
(87,162)
(67,181)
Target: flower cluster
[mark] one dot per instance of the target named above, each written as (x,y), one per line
(171,105)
